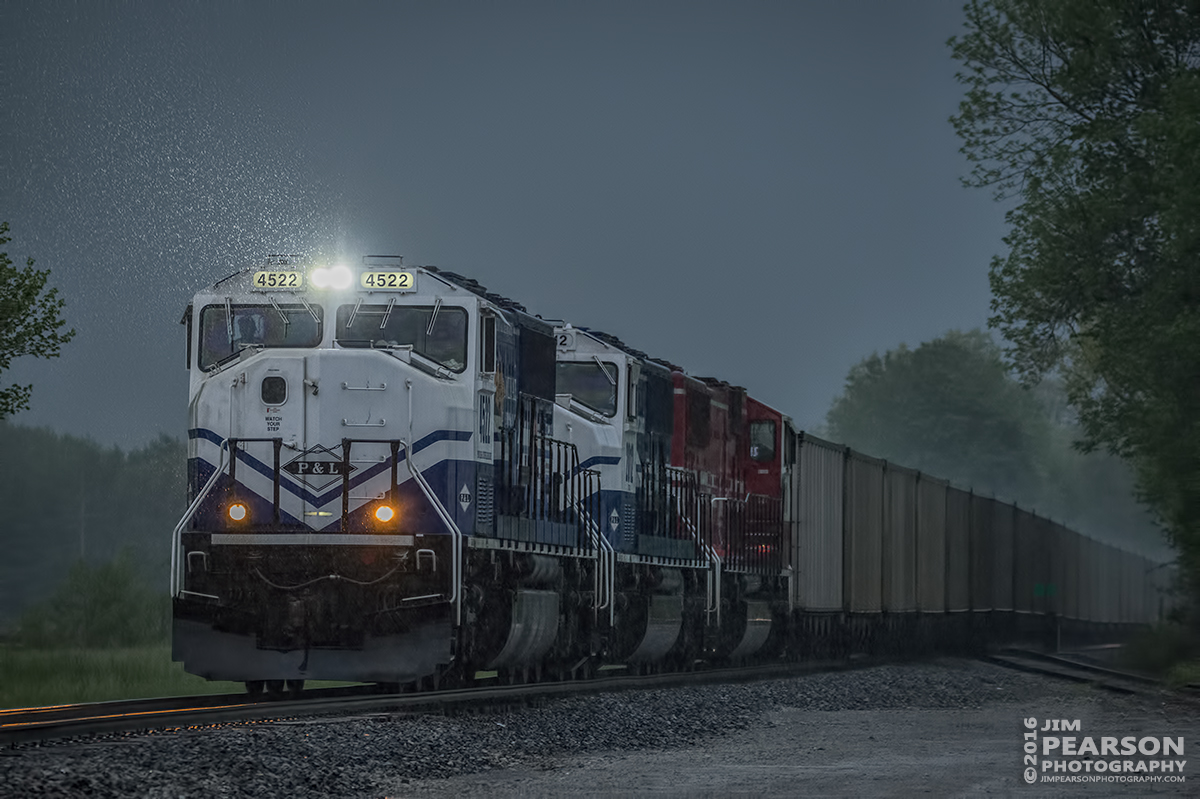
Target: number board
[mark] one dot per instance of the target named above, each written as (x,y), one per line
(278,280)
(387,281)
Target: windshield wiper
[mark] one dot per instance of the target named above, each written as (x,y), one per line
(309,308)
(354,313)
(387,313)
(282,315)
(604,369)
(437,306)
(218,364)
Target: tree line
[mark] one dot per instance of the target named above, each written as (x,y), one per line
(952,408)
(1086,115)
(69,501)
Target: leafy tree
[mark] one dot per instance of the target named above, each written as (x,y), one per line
(1087,113)
(29,322)
(950,409)
(67,499)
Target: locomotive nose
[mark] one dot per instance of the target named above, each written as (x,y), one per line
(362,396)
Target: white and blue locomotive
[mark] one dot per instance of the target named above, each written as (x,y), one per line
(395,474)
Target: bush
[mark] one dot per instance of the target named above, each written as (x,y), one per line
(1161,648)
(104,605)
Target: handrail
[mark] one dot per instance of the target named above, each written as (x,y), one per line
(692,525)
(606,571)
(177,535)
(714,584)
(448,520)
(439,508)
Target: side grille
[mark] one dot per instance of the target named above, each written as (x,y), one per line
(483,503)
(628,522)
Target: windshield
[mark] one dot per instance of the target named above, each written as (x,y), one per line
(589,383)
(255,326)
(445,342)
(762,440)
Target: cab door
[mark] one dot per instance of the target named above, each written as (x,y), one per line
(274,403)
(269,403)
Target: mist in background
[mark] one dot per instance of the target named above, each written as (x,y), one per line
(759,193)
(951,408)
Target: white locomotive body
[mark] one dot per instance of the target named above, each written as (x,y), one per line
(338,438)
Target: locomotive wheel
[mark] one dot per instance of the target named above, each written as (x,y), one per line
(254,687)
(275,688)
(294,688)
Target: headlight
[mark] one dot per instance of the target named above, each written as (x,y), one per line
(385,513)
(237,511)
(332,277)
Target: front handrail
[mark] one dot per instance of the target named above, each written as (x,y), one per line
(606,563)
(177,535)
(455,534)
(225,446)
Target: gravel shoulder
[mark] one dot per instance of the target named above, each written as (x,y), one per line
(947,728)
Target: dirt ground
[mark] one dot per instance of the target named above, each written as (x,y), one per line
(910,752)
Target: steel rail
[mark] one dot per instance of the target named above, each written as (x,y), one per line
(65,721)
(1063,668)
(1070,662)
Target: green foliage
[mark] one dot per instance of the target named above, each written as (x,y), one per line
(951,408)
(67,499)
(30,323)
(40,677)
(947,408)
(1161,649)
(1186,672)
(98,606)
(1088,112)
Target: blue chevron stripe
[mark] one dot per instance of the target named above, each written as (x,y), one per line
(320,500)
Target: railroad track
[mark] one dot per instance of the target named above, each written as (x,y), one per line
(56,721)
(1065,667)
(130,716)
(66,721)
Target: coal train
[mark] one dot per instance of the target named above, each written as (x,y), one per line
(397,476)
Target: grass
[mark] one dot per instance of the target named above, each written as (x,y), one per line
(39,677)
(1159,649)
(1186,673)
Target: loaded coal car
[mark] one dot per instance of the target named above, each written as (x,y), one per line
(889,560)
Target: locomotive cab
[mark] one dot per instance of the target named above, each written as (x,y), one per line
(334,451)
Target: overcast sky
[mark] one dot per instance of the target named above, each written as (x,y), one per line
(762,192)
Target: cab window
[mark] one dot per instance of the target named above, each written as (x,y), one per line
(590,383)
(438,333)
(699,418)
(227,330)
(762,440)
